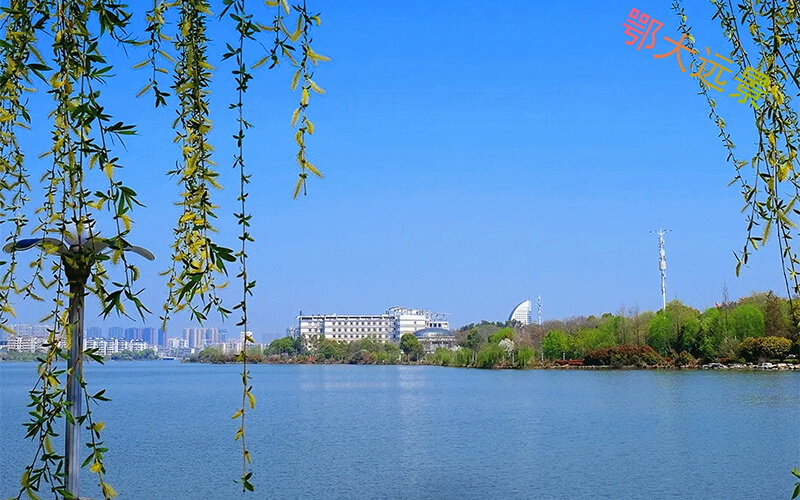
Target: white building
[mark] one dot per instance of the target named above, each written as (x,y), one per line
(176,343)
(107,347)
(435,338)
(521,313)
(390,325)
(27,343)
(347,327)
(201,337)
(412,320)
(31,330)
(30,343)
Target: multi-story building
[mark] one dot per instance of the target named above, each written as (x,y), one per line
(176,343)
(201,337)
(436,338)
(27,338)
(347,327)
(26,343)
(521,313)
(29,343)
(155,336)
(150,335)
(106,347)
(134,333)
(31,330)
(390,325)
(412,320)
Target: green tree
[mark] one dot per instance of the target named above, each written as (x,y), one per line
(677,327)
(640,326)
(660,333)
(525,356)
(590,339)
(746,321)
(73,34)
(776,316)
(330,349)
(711,333)
(210,355)
(764,48)
(283,345)
(489,356)
(557,344)
(442,357)
(464,357)
(473,340)
(411,346)
(503,333)
(765,348)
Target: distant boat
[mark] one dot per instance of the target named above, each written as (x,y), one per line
(168,358)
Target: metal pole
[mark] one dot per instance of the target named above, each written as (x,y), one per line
(72,459)
(662,266)
(539,303)
(77,258)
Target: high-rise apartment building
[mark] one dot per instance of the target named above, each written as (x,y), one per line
(23,329)
(201,337)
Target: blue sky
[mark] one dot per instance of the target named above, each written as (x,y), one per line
(473,158)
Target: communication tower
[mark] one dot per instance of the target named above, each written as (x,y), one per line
(662,265)
(539,304)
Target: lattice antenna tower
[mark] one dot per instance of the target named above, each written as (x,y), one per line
(539,306)
(662,265)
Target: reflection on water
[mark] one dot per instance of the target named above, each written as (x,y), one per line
(425,432)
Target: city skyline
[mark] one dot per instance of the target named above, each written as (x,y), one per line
(460,176)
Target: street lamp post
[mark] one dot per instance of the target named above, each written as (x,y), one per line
(77,257)
(77,271)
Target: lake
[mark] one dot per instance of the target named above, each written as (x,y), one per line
(427,432)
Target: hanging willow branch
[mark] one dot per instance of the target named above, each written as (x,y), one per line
(196,258)
(81,134)
(304,73)
(771,187)
(771,196)
(281,48)
(246,29)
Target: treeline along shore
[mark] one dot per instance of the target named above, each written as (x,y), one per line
(756,331)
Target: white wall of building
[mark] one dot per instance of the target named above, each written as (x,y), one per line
(390,325)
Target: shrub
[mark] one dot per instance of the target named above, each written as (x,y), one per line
(361,357)
(525,355)
(502,334)
(464,357)
(683,359)
(442,357)
(754,349)
(623,355)
(489,356)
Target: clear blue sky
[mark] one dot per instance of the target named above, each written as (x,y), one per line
(473,158)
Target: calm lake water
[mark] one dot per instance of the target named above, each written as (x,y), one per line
(428,432)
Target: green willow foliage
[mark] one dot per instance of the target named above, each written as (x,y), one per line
(55,46)
(764,36)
